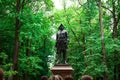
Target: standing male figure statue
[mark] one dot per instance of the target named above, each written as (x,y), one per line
(61,44)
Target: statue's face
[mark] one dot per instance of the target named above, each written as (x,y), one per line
(61,28)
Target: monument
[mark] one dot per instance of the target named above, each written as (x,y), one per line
(61,44)
(61,67)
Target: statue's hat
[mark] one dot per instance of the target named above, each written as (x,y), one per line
(61,25)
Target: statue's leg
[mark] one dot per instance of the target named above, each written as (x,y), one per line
(64,57)
(58,56)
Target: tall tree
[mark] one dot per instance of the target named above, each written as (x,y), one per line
(102,40)
(16,47)
(116,18)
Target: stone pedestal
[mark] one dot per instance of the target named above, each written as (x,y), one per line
(62,69)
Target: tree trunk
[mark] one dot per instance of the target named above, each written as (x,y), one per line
(16,48)
(26,75)
(27,49)
(102,37)
(84,48)
(115,23)
(119,71)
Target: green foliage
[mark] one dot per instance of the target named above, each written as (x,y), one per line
(93,67)
(30,65)
(6,66)
(35,36)
(49,4)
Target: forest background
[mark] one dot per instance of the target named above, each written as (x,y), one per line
(27,37)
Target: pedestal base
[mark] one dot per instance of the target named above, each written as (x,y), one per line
(62,69)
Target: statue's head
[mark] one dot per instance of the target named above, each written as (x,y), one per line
(61,27)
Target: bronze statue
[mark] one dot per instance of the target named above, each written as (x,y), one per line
(61,44)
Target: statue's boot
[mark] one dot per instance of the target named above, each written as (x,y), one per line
(64,58)
(65,62)
(58,62)
(58,56)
